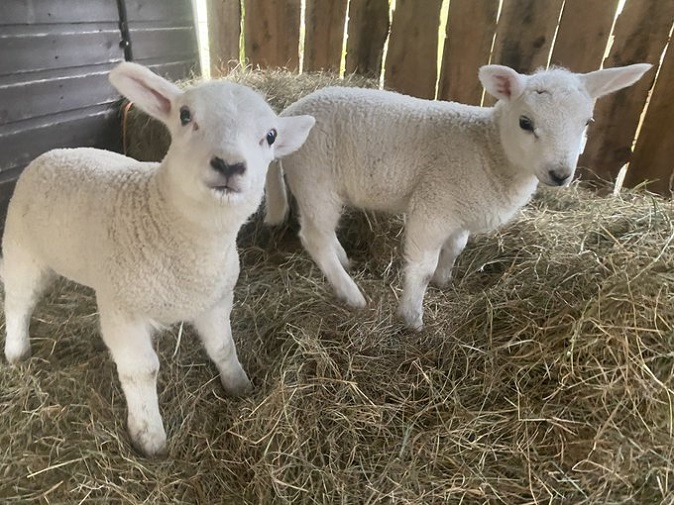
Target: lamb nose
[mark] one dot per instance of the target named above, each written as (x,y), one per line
(219,165)
(558,178)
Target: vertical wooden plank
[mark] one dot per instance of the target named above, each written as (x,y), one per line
(272,33)
(640,35)
(469,35)
(583,34)
(653,158)
(367,31)
(324,24)
(524,35)
(411,62)
(224,33)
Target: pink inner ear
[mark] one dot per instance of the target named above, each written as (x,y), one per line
(163,102)
(503,85)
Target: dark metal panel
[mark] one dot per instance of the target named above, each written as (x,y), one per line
(168,44)
(54,59)
(38,96)
(33,12)
(92,127)
(175,11)
(58,47)
(163,36)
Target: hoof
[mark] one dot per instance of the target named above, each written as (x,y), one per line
(237,386)
(359,303)
(16,354)
(353,299)
(441,280)
(150,443)
(413,318)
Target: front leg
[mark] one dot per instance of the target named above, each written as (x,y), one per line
(130,342)
(423,242)
(215,332)
(450,251)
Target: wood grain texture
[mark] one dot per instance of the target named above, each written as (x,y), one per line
(653,158)
(583,33)
(368,29)
(467,47)
(640,35)
(272,33)
(224,34)
(524,35)
(324,24)
(411,61)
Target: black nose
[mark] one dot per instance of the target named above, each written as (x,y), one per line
(225,169)
(558,178)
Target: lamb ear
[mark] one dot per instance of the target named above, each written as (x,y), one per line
(151,93)
(502,82)
(292,132)
(605,81)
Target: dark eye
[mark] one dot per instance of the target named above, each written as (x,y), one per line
(271,136)
(526,124)
(185,115)
(591,120)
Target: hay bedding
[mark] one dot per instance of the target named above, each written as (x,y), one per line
(544,376)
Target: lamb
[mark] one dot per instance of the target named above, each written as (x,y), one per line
(452,169)
(156,241)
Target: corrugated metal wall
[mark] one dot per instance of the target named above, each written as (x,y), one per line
(54,60)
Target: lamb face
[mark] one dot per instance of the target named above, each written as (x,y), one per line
(546,125)
(223,135)
(543,117)
(222,152)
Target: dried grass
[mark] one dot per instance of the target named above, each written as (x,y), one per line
(545,375)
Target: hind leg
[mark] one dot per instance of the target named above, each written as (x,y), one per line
(341,254)
(450,251)
(25,280)
(424,240)
(318,220)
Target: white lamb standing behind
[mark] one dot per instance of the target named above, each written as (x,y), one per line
(453,169)
(157,242)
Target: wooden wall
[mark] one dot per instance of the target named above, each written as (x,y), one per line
(54,90)
(405,48)
(54,62)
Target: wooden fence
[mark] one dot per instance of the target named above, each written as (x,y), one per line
(403,46)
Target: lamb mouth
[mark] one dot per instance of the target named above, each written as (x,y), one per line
(225,189)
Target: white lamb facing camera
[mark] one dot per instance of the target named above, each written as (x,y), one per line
(156,241)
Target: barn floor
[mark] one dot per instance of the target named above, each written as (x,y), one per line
(545,375)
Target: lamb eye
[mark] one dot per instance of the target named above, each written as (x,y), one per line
(185,115)
(591,120)
(271,136)
(526,124)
